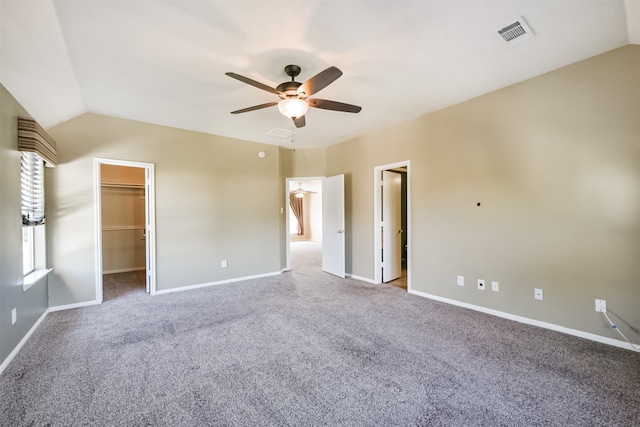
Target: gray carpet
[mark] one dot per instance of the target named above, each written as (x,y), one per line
(303,349)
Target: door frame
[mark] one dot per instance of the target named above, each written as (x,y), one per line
(377,213)
(287,181)
(150,220)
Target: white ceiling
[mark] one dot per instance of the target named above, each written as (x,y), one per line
(164,61)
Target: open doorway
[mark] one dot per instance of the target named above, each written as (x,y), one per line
(304,222)
(392,225)
(125,228)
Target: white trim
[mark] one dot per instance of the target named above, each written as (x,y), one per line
(74,305)
(362,279)
(528,321)
(150,218)
(34,277)
(220,282)
(97,205)
(377,207)
(150,201)
(23,341)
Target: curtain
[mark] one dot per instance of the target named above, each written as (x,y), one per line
(32,138)
(296,207)
(36,148)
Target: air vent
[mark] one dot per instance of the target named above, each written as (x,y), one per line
(515,32)
(280,133)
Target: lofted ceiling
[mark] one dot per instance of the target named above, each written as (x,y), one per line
(164,62)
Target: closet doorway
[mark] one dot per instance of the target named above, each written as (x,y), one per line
(125,225)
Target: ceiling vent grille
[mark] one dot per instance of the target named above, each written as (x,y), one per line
(515,32)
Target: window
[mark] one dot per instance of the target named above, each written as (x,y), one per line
(293,222)
(32,181)
(28,251)
(32,195)
(36,147)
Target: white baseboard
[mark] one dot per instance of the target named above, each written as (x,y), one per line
(221,282)
(72,306)
(528,321)
(362,279)
(24,339)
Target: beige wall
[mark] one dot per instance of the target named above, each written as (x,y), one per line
(555,164)
(303,162)
(315,216)
(32,303)
(214,201)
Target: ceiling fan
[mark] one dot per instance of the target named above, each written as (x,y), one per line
(294,96)
(300,192)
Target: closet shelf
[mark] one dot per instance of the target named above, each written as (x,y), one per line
(117,185)
(123,227)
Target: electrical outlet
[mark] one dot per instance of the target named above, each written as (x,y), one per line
(14,316)
(495,286)
(537,293)
(460,281)
(481,284)
(601,306)
(223,264)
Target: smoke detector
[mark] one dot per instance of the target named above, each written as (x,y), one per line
(515,32)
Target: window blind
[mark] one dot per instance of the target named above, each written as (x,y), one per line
(32,185)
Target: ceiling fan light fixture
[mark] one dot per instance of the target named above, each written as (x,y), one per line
(299,194)
(293,107)
(294,100)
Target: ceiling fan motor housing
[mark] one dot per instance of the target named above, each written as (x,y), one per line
(290,89)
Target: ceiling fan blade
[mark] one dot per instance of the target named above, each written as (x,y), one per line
(300,122)
(318,82)
(255,107)
(333,105)
(254,83)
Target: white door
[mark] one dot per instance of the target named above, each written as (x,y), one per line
(333,232)
(391,226)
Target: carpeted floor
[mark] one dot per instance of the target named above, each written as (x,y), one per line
(305,348)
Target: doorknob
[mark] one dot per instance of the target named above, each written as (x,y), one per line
(341,231)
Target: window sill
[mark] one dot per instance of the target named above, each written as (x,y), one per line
(34,277)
